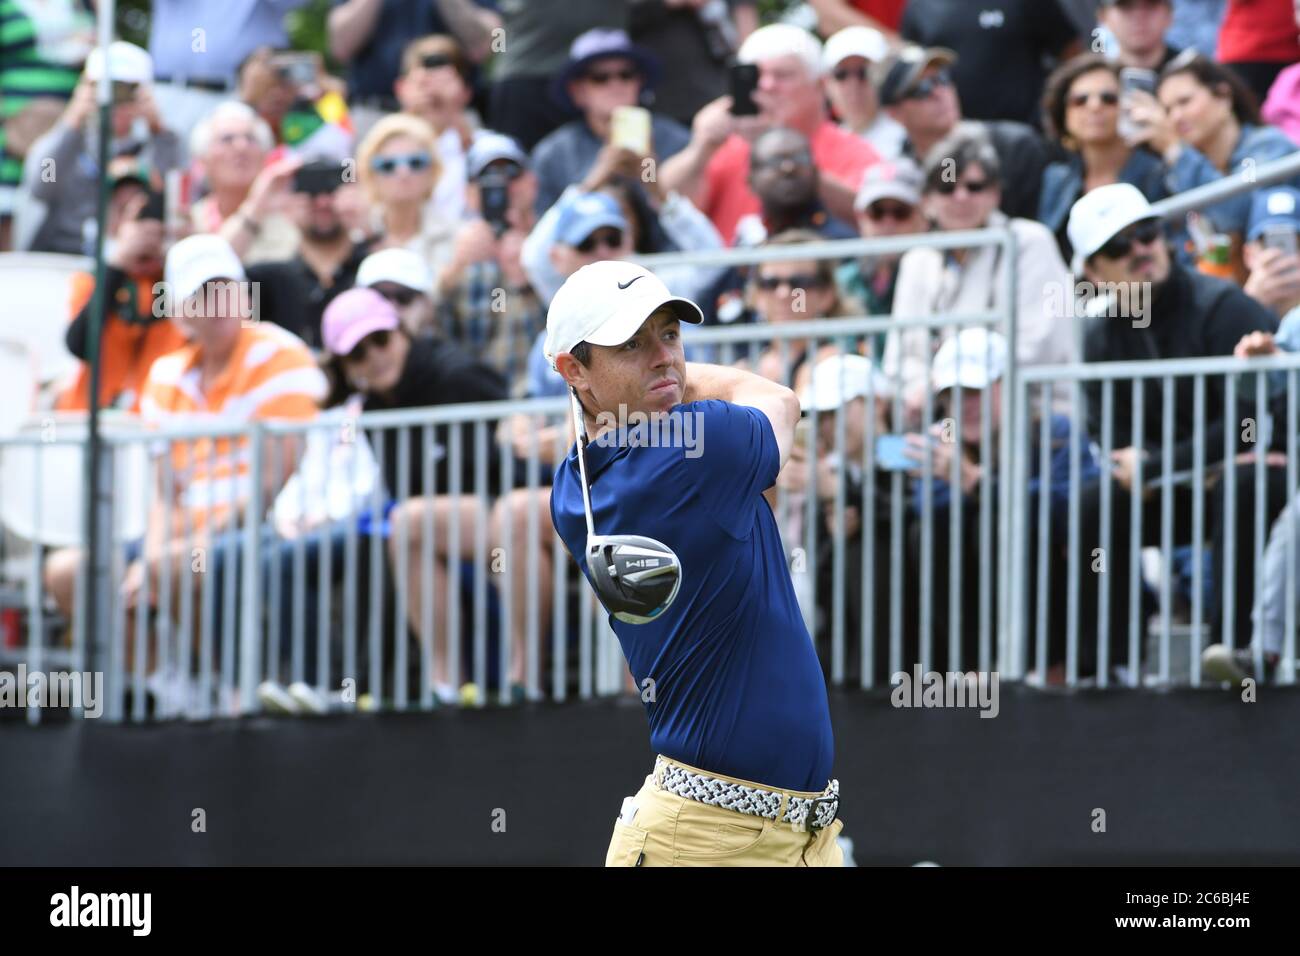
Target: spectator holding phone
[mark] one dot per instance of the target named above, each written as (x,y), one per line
(604,80)
(488,306)
(295,291)
(1205,124)
(1081,108)
(248,196)
(398,167)
(1139,28)
(1270,255)
(134,332)
(61,171)
(848,59)
(712,169)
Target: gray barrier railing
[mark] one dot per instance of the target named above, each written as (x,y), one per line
(1230,492)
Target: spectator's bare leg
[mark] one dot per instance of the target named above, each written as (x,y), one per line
(523,566)
(430,582)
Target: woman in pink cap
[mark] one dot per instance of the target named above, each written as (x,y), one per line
(372,355)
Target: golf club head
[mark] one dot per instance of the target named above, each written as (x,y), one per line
(635,577)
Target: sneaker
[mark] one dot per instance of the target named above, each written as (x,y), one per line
(275,699)
(1220,664)
(173,693)
(309,699)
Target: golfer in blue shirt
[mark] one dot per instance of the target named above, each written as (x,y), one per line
(730,681)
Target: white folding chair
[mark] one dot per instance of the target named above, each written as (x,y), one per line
(34,294)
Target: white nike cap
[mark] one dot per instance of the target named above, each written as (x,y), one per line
(604,303)
(839,379)
(1100,215)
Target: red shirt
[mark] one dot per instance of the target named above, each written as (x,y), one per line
(726,197)
(889,13)
(1258,31)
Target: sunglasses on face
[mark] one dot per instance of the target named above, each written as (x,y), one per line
(398,295)
(1121,245)
(388,165)
(897,211)
(377,340)
(928,86)
(772,283)
(843,73)
(802,158)
(1107,98)
(974,186)
(609,238)
(432,61)
(623,76)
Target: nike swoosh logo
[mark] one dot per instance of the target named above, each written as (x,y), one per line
(624,285)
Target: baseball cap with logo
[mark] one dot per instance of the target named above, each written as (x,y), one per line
(1279,206)
(901,179)
(401,266)
(840,379)
(974,358)
(604,303)
(896,76)
(1102,214)
(196,260)
(584,214)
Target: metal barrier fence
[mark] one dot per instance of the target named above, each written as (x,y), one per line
(1236,483)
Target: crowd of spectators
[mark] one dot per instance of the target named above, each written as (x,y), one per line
(407,201)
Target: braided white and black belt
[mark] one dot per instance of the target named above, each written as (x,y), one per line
(801,813)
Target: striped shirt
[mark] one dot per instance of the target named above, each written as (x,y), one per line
(270,375)
(41,49)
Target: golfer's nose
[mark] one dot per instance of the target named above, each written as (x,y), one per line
(663,354)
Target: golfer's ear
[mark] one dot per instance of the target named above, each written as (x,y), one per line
(570,369)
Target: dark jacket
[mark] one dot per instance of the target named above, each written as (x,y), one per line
(438,373)
(291,294)
(1063,185)
(1191,316)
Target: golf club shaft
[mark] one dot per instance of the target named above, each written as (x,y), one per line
(581,425)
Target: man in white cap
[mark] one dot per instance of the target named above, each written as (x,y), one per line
(888,204)
(1150,307)
(851,390)
(404,279)
(847,61)
(61,171)
(730,680)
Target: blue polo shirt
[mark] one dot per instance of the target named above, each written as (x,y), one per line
(737,685)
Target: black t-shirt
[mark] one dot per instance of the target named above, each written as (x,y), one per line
(292,296)
(438,372)
(1005,50)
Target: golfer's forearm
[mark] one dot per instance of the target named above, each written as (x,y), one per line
(739,387)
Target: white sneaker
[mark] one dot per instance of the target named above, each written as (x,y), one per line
(275,699)
(174,693)
(309,700)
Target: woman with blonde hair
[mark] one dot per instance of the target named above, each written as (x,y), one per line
(398,169)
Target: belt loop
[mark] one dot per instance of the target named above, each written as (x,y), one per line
(780,811)
(659,772)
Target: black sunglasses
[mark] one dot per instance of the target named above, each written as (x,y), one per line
(843,73)
(1119,246)
(378,340)
(946,188)
(609,238)
(897,211)
(600,79)
(928,86)
(431,61)
(398,296)
(1107,98)
(772,283)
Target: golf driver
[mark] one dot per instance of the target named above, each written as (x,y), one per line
(635,577)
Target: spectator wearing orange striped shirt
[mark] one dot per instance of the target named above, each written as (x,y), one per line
(231,374)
